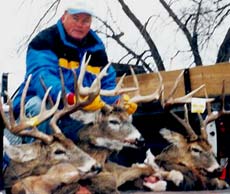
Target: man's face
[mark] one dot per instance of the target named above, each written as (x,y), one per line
(77,25)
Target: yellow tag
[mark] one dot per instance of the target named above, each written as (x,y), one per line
(63,62)
(198,105)
(34,121)
(126,98)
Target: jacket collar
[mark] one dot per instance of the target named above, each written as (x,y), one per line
(96,45)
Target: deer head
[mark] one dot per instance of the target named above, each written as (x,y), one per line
(49,150)
(111,128)
(192,154)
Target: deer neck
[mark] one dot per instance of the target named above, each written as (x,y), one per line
(98,153)
(20,170)
(87,136)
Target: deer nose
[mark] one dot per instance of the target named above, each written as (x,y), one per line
(96,168)
(217,172)
(140,142)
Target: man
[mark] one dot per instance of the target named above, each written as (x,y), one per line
(63,45)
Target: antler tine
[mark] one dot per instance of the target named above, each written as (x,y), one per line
(92,91)
(58,114)
(213,115)
(151,97)
(135,80)
(63,88)
(118,89)
(188,98)
(96,85)
(45,89)
(82,91)
(10,125)
(84,95)
(44,112)
(66,107)
(26,122)
(34,132)
(174,88)
(184,99)
(203,123)
(185,122)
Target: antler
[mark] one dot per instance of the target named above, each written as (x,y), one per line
(181,100)
(185,122)
(118,89)
(213,115)
(184,100)
(138,98)
(29,122)
(96,85)
(84,95)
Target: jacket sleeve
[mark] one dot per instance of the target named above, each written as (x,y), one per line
(43,64)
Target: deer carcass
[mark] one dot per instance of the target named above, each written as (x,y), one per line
(192,154)
(41,161)
(109,131)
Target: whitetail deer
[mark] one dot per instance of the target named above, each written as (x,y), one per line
(192,154)
(110,131)
(41,161)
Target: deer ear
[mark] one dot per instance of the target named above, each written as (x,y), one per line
(172,137)
(23,152)
(106,109)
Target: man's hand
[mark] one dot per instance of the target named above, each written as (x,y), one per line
(93,106)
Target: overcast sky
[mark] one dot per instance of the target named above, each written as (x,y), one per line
(18,18)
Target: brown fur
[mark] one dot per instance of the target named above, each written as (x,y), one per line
(62,150)
(116,127)
(63,173)
(194,159)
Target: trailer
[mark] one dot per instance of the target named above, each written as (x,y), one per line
(151,117)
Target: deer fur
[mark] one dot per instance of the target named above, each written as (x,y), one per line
(41,161)
(62,173)
(37,158)
(110,132)
(191,154)
(194,159)
(158,180)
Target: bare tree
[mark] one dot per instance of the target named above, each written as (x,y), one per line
(145,34)
(224,51)
(199,23)
(117,37)
(198,20)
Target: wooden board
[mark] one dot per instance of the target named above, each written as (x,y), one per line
(212,76)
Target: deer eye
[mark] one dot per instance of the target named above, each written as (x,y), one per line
(114,122)
(196,150)
(58,151)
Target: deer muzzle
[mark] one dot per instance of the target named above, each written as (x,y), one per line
(95,169)
(140,142)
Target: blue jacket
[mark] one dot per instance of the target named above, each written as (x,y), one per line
(53,48)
